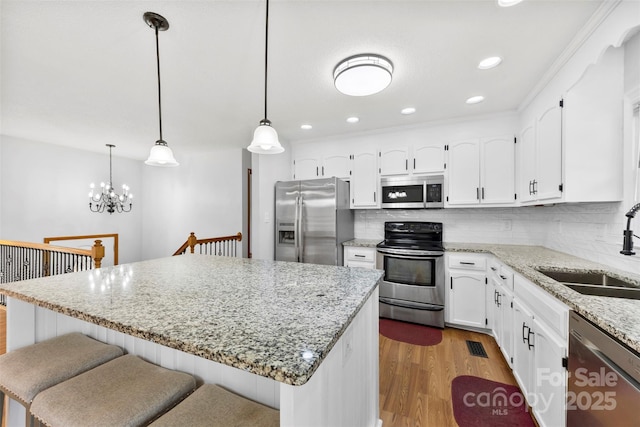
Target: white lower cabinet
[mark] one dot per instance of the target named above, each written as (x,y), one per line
(467,282)
(523,348)
(503,320)
(359,256)
(550,376)
(466,288)
(540,349)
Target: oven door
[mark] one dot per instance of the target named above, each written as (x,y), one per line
(415,276)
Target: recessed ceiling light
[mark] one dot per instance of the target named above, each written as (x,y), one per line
(492,61)
(362,75)
(408,110)
(475,99)
(353,120)
(507,3)
(306,127)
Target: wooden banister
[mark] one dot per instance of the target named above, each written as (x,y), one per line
(97,250)
(212,245)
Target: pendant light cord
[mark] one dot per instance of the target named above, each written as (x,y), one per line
(159,90)
(266,56)
(110,174)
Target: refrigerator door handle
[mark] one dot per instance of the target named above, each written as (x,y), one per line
(295,230)
(300,229)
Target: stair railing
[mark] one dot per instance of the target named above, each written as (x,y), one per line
(221,246)
(25,260)
(97,260)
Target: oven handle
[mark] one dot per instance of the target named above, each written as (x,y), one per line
(411,255)
(413,305)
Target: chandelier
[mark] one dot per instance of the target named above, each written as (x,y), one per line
(106,199)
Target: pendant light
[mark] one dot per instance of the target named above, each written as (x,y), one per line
(161,154)
(265,137)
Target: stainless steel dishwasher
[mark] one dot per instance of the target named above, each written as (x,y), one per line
(604,378)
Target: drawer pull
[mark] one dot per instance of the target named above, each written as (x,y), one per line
(467,263)
(503,277)
(359,256)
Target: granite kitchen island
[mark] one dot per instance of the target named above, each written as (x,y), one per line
(299,337)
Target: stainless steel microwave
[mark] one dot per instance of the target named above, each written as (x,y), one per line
(426,192)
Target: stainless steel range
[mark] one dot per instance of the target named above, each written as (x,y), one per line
(412,258)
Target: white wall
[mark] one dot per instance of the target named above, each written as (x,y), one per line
(203,195)
(44,192)
(267,169)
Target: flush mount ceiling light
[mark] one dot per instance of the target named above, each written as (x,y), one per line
(161,154)
(362,75)
(475,99)
(306,127)
(265,137)
(408,110)
(352,120)
(507,3)
(487,63)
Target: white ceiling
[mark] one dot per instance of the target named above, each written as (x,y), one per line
(82,73)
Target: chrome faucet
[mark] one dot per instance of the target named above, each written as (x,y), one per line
(627,244)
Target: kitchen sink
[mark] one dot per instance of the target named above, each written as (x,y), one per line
(599,284)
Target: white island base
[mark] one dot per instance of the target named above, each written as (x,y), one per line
(343,392)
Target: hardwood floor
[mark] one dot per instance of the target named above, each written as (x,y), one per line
(415,381)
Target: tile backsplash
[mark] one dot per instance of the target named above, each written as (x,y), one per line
(588,230)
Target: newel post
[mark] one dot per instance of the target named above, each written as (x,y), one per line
(97,253)
(192,241)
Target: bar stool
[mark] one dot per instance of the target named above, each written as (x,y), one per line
(126,391)
(212,406)
(28,370)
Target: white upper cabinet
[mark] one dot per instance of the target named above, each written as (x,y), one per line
(593,132)
(364,179)
(497,170)
(321,161)
(464,172)
(482,171)
(527,165)
(540,156)
(394,161)
(336,164)
(421,158)
(548,179)
(571,148)
(306,167)
(428,158)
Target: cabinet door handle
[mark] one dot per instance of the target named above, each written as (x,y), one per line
(503,277)
(467,263)
(499,303)
(323,171)
(495,297)
(529,343)
(414,162)
(477,193)
(535,187)
(406,164)
(374,197)
(493,269)
(316,171)
(451,278)
(482,193)
(525,338)
(530,185)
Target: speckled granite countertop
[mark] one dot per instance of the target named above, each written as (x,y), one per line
(618,316)
(362,243)
(275,319)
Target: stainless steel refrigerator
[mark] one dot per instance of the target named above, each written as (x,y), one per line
(312,220)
